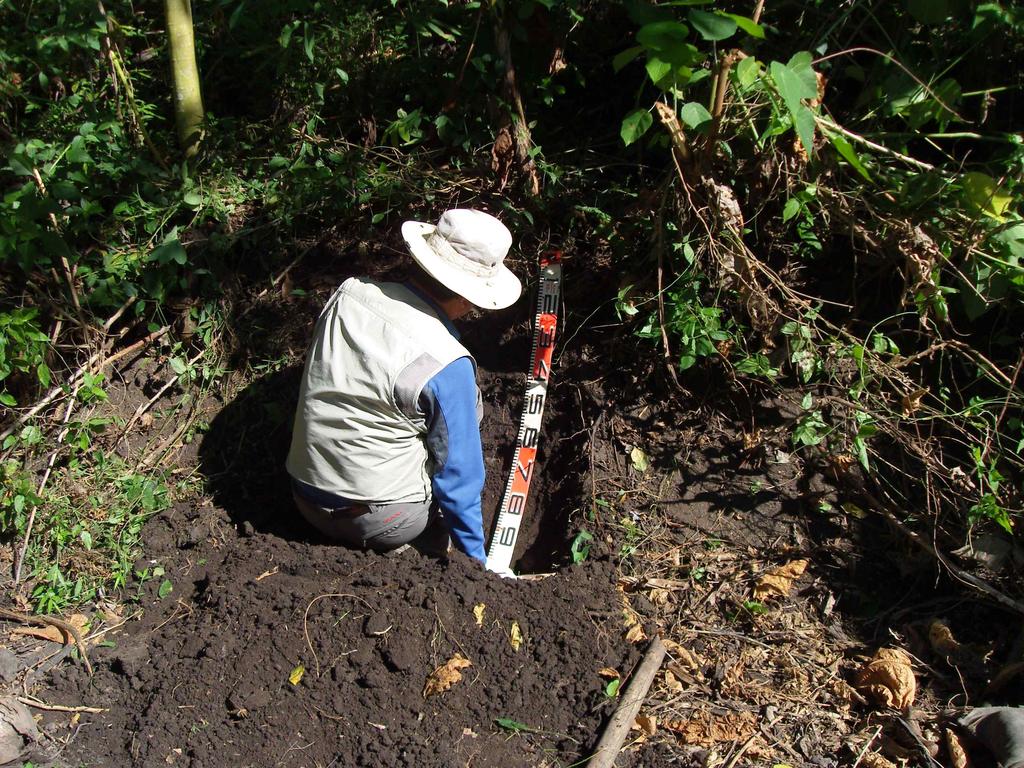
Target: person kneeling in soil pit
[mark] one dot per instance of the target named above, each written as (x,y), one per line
(386,446)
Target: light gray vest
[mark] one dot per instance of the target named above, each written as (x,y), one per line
(357,431)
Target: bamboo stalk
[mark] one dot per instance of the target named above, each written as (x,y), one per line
(188,100)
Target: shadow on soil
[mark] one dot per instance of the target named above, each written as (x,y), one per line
(242,457)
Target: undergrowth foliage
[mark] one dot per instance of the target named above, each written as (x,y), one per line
(820,196)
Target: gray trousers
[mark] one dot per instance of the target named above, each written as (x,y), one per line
(381,527)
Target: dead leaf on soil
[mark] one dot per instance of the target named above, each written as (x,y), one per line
(888,679)
(941,639)
(515,636)
(658,596)
(646,724)
(955,747)
(875,760)
(672,683)
(636,634)
(79,621)
(705,730)
(608,673)
(445,676)
(684,656)
(639,459)
(478,613)
(779,581)
(847,693)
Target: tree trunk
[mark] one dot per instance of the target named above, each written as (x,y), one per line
(511,151)
(188,100)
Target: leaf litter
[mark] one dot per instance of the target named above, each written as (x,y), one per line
(446,675)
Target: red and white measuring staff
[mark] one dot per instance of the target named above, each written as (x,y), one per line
(513,503)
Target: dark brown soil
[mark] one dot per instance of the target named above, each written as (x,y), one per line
(203,679)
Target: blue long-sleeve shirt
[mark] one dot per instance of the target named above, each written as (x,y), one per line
(449,406)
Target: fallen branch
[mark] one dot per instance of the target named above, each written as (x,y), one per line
(69,630)
(36,704)
(95,359)
(960,575)
(629,705)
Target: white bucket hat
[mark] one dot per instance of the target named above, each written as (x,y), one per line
(464,252)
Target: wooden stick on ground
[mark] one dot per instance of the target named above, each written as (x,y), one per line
(37,704)
(69,630)
(625,713)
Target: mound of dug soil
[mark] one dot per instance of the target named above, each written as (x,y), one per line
(207,683)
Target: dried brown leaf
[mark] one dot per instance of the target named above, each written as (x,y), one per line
(888,679)
(79,621)
(658,596)
(941,639)
(445,676)
(955,747)
(705,730)
(647,724)
(636,634)
(779,581)
(515,636)
(608,673)
(875,760)
(478,613)
(672,682)
(684,656)
(910,403)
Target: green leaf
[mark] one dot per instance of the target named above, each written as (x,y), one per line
(804,123)
(712,26)
(791,209)
(612,689)
(635,125)
(308,41)
(86,538)
(512,725)
(166,587)
(639,459)
(43,373)
(747,71)
(580,547)
(984,195)
(844,148)
(626,56)
(20,165)
(168,251)
(668,41)
(695,115)
(193,198)
(793,88)
(657,69)
(77,153)
(6,398)
(177,365)
(748,25)
(800,64)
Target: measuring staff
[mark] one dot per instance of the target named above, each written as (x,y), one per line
(386,445)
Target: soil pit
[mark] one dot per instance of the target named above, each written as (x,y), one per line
(205,678)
